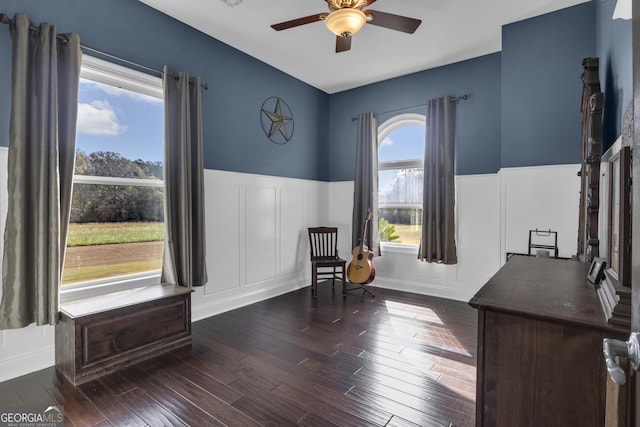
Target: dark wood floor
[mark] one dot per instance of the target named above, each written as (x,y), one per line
(397,360)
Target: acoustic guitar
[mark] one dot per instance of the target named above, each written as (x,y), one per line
(361,269)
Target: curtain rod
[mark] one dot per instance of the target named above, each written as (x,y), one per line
(453,98)
(4,19)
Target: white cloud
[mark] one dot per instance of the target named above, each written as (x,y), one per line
(386,142)
(99,118)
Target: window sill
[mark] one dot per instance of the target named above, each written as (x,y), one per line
(80,291)
(399,248)
(115,300)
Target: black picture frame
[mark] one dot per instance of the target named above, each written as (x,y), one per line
(596,270)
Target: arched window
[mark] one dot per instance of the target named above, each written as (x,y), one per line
(400,178)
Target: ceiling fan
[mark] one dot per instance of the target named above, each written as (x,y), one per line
(346,18)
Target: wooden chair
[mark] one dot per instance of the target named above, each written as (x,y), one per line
(323,245)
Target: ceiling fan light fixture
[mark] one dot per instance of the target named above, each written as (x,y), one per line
(346,21)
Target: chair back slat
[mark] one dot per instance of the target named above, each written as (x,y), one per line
(323,242)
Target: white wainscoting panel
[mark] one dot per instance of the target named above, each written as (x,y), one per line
(260,237)
(254,251)
(340,215)
(542,197)
(244,226)
(494,213)
(478,241)
(292,231)
(264,252)
(478,231)
(223,218)
(26,350)
(316,208)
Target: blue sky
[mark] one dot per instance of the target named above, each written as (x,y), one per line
(119,120)
(406,142)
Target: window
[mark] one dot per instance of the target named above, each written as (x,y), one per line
(116,230)
(400,178)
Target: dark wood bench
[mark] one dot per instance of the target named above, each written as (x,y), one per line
(100,335)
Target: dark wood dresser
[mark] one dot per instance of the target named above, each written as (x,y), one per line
(540,332)
(100,335)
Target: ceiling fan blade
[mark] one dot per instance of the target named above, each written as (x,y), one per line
(300,21)
(343,44)
(393,22)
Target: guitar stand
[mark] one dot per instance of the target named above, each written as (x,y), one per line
(357,286)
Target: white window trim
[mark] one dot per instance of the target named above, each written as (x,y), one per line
(384,129)
(112,74)
(92,288)
(400,164)
(403,205)
(106,72)
(399,121)
(110,180)
(401,248)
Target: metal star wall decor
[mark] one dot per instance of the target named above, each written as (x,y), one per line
(277,120)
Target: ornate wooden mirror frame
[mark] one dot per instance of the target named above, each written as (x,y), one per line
(592,101)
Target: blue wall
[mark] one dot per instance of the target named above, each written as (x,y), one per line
(523,110)
(524,105)
(238,83)
(478,118)
(614,50)
(541,86)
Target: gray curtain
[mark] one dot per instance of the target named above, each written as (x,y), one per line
(184,246)
(365,193)
(42,141)
(437,242)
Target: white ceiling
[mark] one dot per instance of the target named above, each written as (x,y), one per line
(451,31)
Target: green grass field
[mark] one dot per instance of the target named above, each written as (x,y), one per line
(83,274)
(114,232)
(91,254)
